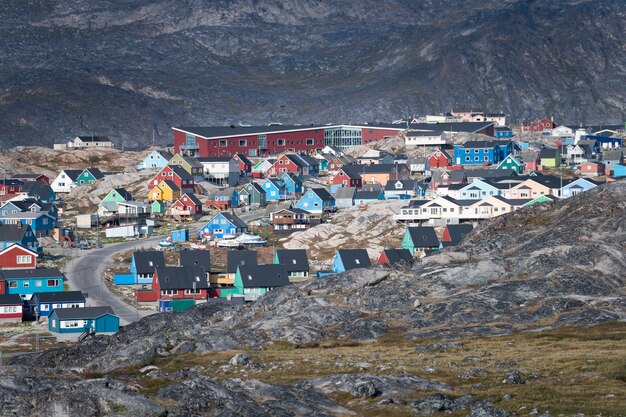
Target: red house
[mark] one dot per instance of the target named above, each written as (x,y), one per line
(10,187)
(592,169)
(245,165)
(439,159)
(284,163)
(18,257)
(188,202)
(540,126)
(31,177)
(180,282)
(394,256)
(347,178)
(176,174)
(11,308)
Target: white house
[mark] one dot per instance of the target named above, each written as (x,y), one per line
(86,142)
(498,119)
(66,180)
(220,170)
(563,132)
(424,138)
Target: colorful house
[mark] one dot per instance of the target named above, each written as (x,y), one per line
(420,240)
(20,234)
(592,169)
(347,178)
(188,204)
(295,261)
(455,233)
(395,257)
(195,257)
(80,320)
(237,258)
(190,164)
(30,178)
(348,259)
(166,190)
(11,308)
(287,163)
(550,157)
(143,264)
(572,188)
(293,183)
(368,196)
(274,189)
(439,159)
(511,162)
(478,152)
(38,190)
(290,220)
(44,302)
(400,189)
(223,223)
(224,198)
(16,256)
(117,195)
(176,174)
(254,281)
(156,159)
(89,175)
(245,165)
(157,207)
(316,200)
(344,197)
(41,224)
(252,194)
(619,170)
(531,160)
(541,199)
(66,180)
(26,282)
(10,187)
(180,282)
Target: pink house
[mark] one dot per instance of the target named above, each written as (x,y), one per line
(531,160)
(592,169)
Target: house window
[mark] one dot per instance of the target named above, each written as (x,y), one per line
(223,143)
(26,284)
(53,282)
(281,142)
(467,158)
(12,284)
(243,142)
(475,158)
(310,142)
(252,152)
(24,259)
(38,284)
(196,291)
(169,292)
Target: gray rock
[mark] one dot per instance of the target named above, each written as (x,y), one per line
(364,389)
(239,359)
(428,405)
(512,377)
(485,409)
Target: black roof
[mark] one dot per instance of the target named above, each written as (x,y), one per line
(398,255)
(37,189)
(94,138)
(181,172)
(97,174)
(469,127)
(548,153)
(73,173)
(10,299)
(26,176)
(235,220)
(235,258)
(214,159)
(12,232)
(146,261)
(30,273)
(256,276)
(423,237)
(293,259)
(82,313)
(182,277)
(458,231)
(60,296)
(124,194)
(200,257)
(366,195)
(244,159)
(490,173)
(485,143)
(322,193)
(354,258)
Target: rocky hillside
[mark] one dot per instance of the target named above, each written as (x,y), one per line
(124,68)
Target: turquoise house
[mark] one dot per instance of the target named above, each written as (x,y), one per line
(252,281)
(157,207)
(180,235)
(274,189)
(316,200)
(420,240)
(293,183)
(26,282)
(117,195)
(89,175)
(512,162)
(80,320)
(619,170)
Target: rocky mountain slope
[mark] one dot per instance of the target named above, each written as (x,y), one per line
(123,68)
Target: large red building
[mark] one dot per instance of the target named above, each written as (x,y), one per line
(268,140)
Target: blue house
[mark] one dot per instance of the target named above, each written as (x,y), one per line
(79,320)
(577,186)
(26,282)
(41,224)
(229,196)
(44,302)
(316,200)
(143,263)
(477,190)
(293,183)
(180,235)
(38,190)
(368,196)
(157,159)
(347,259)
(503,132)
(477,153)
(18,234)
(274,189)
(224,223)
(619,170)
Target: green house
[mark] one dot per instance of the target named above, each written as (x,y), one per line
(420,240)
(157,207)
(117,195)
(252,281)
(252,195)
(89,175)
(511,162)
(541,199)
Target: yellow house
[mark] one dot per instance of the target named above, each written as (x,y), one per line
(493,206)
(166,190)
(529,189)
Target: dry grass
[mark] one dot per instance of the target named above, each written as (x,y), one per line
(567,370)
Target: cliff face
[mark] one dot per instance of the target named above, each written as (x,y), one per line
(124,67)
